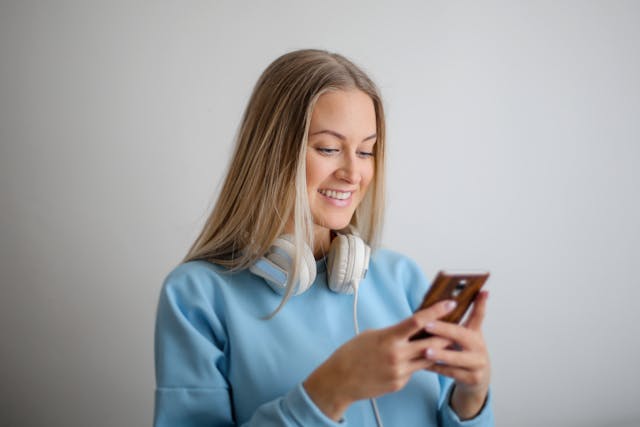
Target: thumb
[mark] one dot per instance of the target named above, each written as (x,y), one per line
(476,317)
(411,325)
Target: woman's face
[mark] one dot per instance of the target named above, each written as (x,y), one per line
(340,163)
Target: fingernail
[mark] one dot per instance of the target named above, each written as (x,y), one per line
(429,353)
(451,305)
(429,326)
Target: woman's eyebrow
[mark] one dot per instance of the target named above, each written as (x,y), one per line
(341,136)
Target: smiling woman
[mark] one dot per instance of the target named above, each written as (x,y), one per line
(339,161)
(300,213)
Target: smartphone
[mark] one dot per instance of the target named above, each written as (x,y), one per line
(461,286)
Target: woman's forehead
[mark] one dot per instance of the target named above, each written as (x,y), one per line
(346,113)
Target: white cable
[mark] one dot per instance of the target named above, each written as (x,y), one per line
(355,307)
(374,404)
(376,412)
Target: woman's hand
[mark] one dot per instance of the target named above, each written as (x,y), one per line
(375,362)
(468,364)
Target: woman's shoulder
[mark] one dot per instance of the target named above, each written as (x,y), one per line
(196,269)
(400,274)
(387,258)
(192,278)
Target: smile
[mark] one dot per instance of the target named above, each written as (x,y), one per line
(338,195)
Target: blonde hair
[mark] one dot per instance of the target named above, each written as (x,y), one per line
(257,198)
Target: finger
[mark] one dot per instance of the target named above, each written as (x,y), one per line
(411,325)
(458,359)
(461,335)
(416,349)
(477,314)
(420,365)
(462,375)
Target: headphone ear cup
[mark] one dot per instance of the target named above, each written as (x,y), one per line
(338,264)
(273,274)
(360,258)
(308,271)
(347,263)
(277,264)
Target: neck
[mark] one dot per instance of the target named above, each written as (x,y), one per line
(321,241)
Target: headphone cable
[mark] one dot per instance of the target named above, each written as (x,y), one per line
(374,404)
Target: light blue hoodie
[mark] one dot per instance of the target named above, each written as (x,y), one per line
(218,363)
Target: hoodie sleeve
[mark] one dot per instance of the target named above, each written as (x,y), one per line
(191,365)
(448,417)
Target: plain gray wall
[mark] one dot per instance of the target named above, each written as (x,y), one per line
(514,140)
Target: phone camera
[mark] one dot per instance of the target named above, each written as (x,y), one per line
(460,286)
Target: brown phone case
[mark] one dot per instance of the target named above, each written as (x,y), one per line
(463,287)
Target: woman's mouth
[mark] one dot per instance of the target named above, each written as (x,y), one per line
(340,195)
(337,198)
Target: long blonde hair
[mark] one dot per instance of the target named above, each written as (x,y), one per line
(257,198)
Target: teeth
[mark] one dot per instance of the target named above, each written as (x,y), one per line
(336,194)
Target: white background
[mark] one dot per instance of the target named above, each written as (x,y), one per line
(514,138)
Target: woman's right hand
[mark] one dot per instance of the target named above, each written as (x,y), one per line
(375,362)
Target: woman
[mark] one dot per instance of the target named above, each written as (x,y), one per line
(301,205)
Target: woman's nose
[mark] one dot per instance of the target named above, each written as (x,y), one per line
(349,170)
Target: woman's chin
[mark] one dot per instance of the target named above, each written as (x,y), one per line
(334,225)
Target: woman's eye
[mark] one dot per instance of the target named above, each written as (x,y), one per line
(327,150)
(365,154)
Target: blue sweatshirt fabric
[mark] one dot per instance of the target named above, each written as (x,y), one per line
(219,363)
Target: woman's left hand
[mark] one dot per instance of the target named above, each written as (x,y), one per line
(468,364)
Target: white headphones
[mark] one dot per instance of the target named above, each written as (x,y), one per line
(347,264)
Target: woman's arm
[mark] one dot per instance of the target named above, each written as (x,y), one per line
(192,389)
(374,363)
(192,368)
